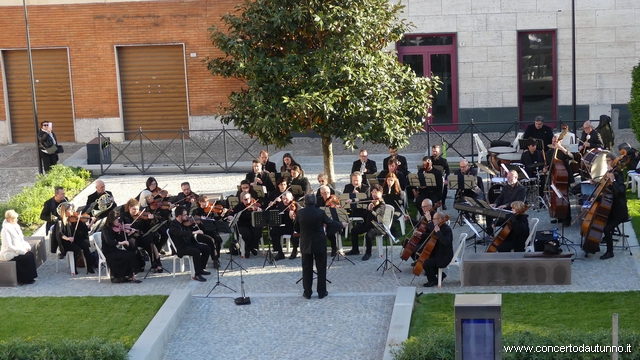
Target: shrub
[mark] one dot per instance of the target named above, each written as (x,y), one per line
(634,102)
(50,349)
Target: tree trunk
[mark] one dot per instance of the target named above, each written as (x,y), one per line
(327,152)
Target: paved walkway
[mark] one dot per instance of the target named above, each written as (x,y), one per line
(352,322)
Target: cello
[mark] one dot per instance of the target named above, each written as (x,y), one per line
(428,247)
(596,218)
(506,229)
(559,208)
(412,244)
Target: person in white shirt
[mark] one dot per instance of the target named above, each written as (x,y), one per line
(15,248)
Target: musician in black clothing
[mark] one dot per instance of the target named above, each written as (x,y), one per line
(186,198)
(245,186)
(297,178)
(375,212)
(119,251)
(364,166)
(432,192)
(131,215)
(250,234)
(438,161)
(619,212)
(442,252)
(186,243)
(402,161)
(287,215)
(531,157)
(513,191)
(107,207)
(392,168)
(323,179)
(275,195)
(538,130)
(267,165)
(519,224)
(73,237)
(321,201)
(50,211)
(356,187)
(475,193)
(565,156)
(590,139)
(260,178)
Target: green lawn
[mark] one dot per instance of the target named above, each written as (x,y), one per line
(115,318)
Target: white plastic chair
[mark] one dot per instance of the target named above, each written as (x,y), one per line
(388,221)
(482,150)
(456,260)
(71,260)
(172,246)
(529,244)
(102,260)
(516,143)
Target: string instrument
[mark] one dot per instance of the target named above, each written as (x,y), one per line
(145,215)
(596,218)
(413,243)
(428,248)
(559,208)
(191,198)
(158,192)
(75,217)
(162,205)
(291,207)
(506,229)
(213,208)
(255,205)
(332,202)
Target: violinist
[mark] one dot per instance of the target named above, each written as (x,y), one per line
(519,222)
(287,208)
(50,211)
(250,234)
(203,238)
(186,198)
(119,251)
(442,253)
(424,191)
(268,166)
(561,153)
(73,235)
(137,227)
(258,177)
(185,240)
(298,178)
(619,212)
(152,187)
(215,212)
(375,212)
(392,168)
(100,211)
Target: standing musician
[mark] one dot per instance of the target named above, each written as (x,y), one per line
(402,161)
(73,235)
(438,160)
(619,212)
(356,187)
(287,208)
(434,193)
(186,198)
(564,155)
(250,234)
(268,166)
(310,222)
(519,223)
(94,199)
(364,166)
(130,216)
(119,251)
(258,177)
(442,252)
(392,168)
(298,178)
(538,130)
(375,212)
(513,191)
(590,139)
(326,199)
(50,211)
(186,243)
(323,179)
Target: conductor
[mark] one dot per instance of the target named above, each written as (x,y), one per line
(309,223)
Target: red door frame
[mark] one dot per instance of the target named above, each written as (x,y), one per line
(554,54)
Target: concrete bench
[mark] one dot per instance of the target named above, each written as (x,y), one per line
(512,268)
(8,273)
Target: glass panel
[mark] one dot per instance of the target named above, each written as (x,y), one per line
(536,52)
(426,40)
(442,109)
(416,63)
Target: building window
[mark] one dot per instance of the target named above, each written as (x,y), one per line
(537,80)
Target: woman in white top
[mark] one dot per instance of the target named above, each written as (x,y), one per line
(15,248)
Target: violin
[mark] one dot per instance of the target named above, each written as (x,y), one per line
(332,202)
(75,217)
(255,205)
(145,215)
(213,208)
(163,205)
(159,192)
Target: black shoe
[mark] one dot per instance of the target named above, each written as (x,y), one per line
(353,252)
(216,264)
(554,221)
(247,255)
(306,296)
(294,254)
(414,263)
(334,252)
(205,272)
(607,255)
(321,296)
(135,281)
(431,283)
(162,252)
(91,271)
(199,278)
(279,256)
(366,257)
(254,252)
(444,207)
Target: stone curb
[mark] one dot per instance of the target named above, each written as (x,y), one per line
(400,320)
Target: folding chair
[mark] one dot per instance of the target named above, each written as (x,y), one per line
(172,246)
(102,260)
(456,260)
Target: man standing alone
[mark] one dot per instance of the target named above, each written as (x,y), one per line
(48,145)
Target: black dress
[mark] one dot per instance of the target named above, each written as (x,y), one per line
(122,263)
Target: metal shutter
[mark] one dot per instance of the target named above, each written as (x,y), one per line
(53,93)
(153,87)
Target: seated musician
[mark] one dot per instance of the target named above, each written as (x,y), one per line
(203,238)
(186,198)
(161,211)
(215,212)
(533,161)
(275,196)
(268,166)
(364,166)
(250,234)
(186,242)
(152,187)
(50,211)
(288,163)
(438,160)
(73,236)
(133,218)
(375,212)
(298,178)
(119,251)
(94,208)
(475,193)
(427,209)
(619,212)
(392,168)
(402,161)
(558,151)
(392,193)
(356,187)
(323,179)
(424,191)
(327,200)
(590,139)
(245,186)
(258,177)
(442,252)
(287,208)
(513,191)
(519,223)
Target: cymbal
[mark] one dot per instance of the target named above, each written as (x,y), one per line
(486,169)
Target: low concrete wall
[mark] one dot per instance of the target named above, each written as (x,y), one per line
(400,320)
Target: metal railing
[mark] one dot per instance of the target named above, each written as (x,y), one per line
(187,150)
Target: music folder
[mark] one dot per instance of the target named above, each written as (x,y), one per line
(468,182)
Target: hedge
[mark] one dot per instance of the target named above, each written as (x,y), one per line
(63,349)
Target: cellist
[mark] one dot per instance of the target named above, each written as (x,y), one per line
(619,212)
(519,228)
(442,252)
(561,153)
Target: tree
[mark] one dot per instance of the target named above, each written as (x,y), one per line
(320,65)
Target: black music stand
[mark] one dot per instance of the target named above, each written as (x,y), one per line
(274,220)
(386,263)
(234,225)
(469,182)
(219,283)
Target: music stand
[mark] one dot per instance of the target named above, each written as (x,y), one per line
(259,189)
(234,225)
(275,219)
(475,243)
(523,144)
(384,229)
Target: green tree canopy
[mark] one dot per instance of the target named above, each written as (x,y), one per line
(320,65)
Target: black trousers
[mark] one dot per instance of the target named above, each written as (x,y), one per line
(275,233)
(251,236)
(363,228)
(79,247)
(431,269)
(608,232)
(26,267)
(200,254)
(145,242)
(307,272)
(214,250)
(48,160)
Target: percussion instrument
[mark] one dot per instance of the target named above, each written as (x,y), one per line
(595,162)
(486,169)
(509,157)
(502,149)
(494,192)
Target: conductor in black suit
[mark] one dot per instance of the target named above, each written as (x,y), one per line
(309,223)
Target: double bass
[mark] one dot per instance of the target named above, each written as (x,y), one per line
(595,220)
(428,247)
(506,229)
(559,205)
